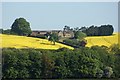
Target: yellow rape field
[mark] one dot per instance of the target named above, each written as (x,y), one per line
(102,40)
(28,42)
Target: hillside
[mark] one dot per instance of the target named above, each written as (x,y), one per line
(102,40)
(28,42)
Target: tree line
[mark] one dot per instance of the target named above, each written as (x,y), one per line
(95,62)
(103,30)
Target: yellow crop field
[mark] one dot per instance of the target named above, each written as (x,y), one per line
(28,42)
(102,40)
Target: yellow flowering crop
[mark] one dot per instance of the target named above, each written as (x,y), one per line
(102,40)
(28,42)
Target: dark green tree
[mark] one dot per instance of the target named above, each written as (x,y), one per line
(103,30)
(67,28)
(8,31)
(53,38)
(79,35)
(83,29)
(91,31)
(106,30)
(21,27)
(1,31)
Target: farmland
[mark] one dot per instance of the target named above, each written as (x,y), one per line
(102,40)
(37,43)
(28,42)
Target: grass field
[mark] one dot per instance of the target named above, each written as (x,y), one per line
(28,42)
(102,40)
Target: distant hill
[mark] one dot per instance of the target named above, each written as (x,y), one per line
(28,42)
(102,40)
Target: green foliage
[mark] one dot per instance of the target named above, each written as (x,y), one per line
(21,27)
(60,70)
(84,62)
(104,56)
(116,69)
(67,28)
(115,49)
(47,66)
(79,35)
(15,64)
(75,43)
(8,31)
(1,31)
(36,64)
(108,72)
(103,30)
(99,73)
(106,30)
(53,38)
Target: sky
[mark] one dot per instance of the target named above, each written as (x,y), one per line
(60,0)
(55,15)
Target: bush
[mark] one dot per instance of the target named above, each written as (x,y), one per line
(83,62)
(79,35)
(75,43)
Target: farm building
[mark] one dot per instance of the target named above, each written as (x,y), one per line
(60,33)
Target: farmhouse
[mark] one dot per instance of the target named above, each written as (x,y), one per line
(68,34)
(36,33)
(60,33)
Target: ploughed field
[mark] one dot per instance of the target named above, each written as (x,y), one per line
(14,41)
(102,40)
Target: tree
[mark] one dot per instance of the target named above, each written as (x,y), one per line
(8,31)
(83,29)
(106,30)
(1,31)
(53,38)
(21,27)
(79,35)
(66,28)
(103,30)
(76,29)
(90,30)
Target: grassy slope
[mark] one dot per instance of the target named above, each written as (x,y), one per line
(25,42)
(102,40)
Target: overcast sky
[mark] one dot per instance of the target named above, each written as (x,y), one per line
(55,15)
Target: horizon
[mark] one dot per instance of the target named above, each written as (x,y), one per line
(55,15)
